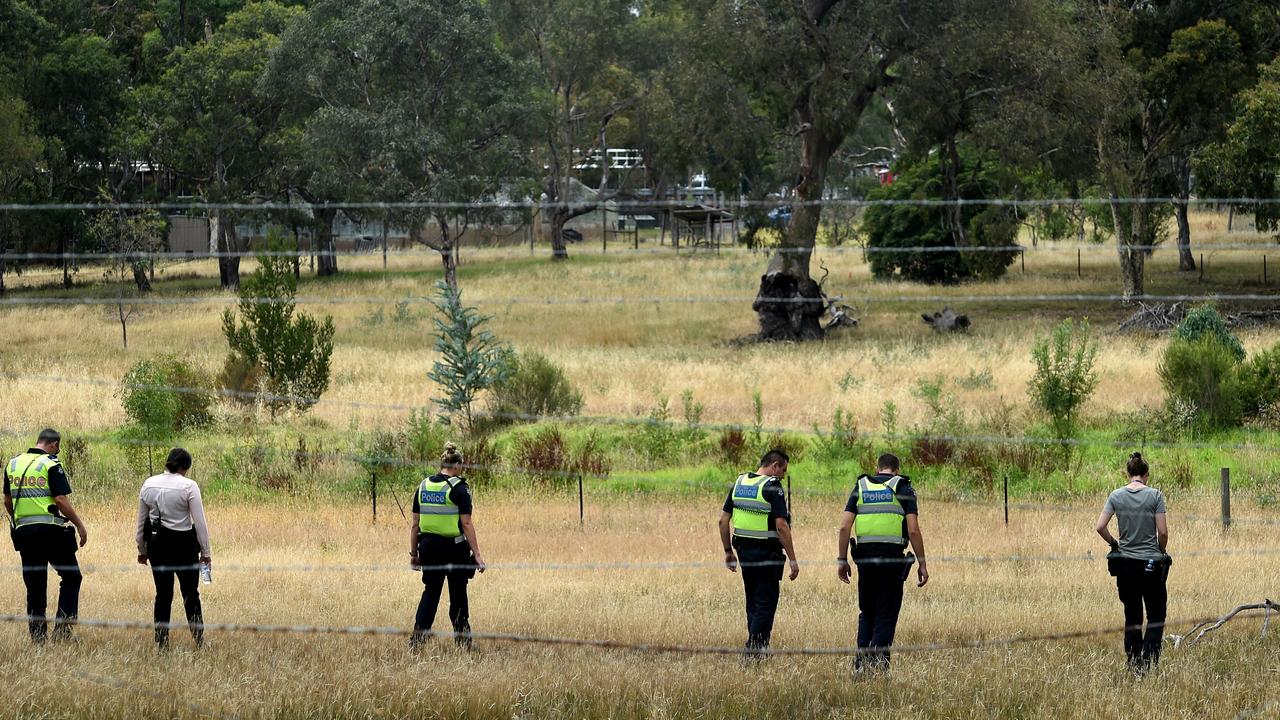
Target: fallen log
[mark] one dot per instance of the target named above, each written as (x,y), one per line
(1206,627)
(947,321)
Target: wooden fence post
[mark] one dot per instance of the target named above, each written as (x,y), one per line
(1226,498)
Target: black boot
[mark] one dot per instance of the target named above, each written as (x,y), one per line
(162,639)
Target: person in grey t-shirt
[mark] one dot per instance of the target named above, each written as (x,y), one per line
(1139,562)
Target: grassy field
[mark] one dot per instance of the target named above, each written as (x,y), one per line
(251,675)
(631,328)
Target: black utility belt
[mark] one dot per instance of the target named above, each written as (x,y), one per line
(1118,564)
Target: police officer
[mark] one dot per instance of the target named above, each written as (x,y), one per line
(443,545)
(35,496)
(881,515)
(1139,562)
(757,510)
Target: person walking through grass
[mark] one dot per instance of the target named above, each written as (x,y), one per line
(881,517)
(173,537)
(443,545)
(41,520)
(756,509)
(1139,562)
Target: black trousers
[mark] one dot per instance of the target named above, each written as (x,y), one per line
(169,550)
(879,602)
(432,551)
(761,584)
(1138,589)
(41,546)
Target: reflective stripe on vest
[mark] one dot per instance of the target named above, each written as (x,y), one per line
(437,515)
(29,487)
(880,513)
(750,509)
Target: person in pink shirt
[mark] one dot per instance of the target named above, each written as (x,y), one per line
(173,537)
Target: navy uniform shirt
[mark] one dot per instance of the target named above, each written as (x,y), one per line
(459,495)
(765,549)
(58,482)
(910,506)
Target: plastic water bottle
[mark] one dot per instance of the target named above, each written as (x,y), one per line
(206,573)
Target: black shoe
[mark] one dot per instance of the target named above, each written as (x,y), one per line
(62,633)
(417,639)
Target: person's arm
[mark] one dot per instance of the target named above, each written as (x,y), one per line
(784,534)
(195,505)
(139,530)
(730,560)
(1104,520)
(8,498)
(1162,531)
(917,546)
(64,507)
(413,541)
(469,532)
(843,571)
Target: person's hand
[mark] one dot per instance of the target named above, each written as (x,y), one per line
(922,572)
(84,535)
(795,569)
(480,566)
(843,571)
(207,560)
(142,558)
(731,561)
(413,560)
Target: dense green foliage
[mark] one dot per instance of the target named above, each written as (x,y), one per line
(907,226)
(1205,321)
(534,387)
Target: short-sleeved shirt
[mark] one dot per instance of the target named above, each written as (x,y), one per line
(910,506)
(1135,511)
(58,482)
(763,549)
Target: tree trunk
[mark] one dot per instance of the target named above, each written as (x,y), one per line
(789,303)
(1130,222)
(327,259)
(66,263)
(124,325)
(1186,261)
(954,213)
(559,248)
(140,276)
(228,252)
(447,258)
(4,247)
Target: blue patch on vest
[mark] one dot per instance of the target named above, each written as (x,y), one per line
(432,498)
(877,496)
(744,491)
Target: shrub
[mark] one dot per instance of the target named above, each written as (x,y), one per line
(841,442)
(471,360)
(1064,376)
(291,350)
(165,395)
(731,448)
(545,456)
(1203,373)
(932,451)
(1260,381)
(535,387)
(907,226)
(1205,321)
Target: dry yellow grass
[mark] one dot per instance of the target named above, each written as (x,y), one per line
(624,353)
(252,676)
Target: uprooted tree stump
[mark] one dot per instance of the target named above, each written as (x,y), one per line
(1192,636)
(947,321)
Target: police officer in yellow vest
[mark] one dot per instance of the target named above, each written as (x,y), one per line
(757,511)
(882,515)
(41,516)
(443,545)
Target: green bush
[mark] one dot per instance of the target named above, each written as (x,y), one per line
(1205,321)
(1260,382)
(1204,374)
(166,394)
(546,456)
(536,387)
(1064,376)
(907,226)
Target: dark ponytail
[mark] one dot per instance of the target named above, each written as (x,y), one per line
(1137,467)
(179,460)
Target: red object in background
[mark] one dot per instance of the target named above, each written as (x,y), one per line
(887,176)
